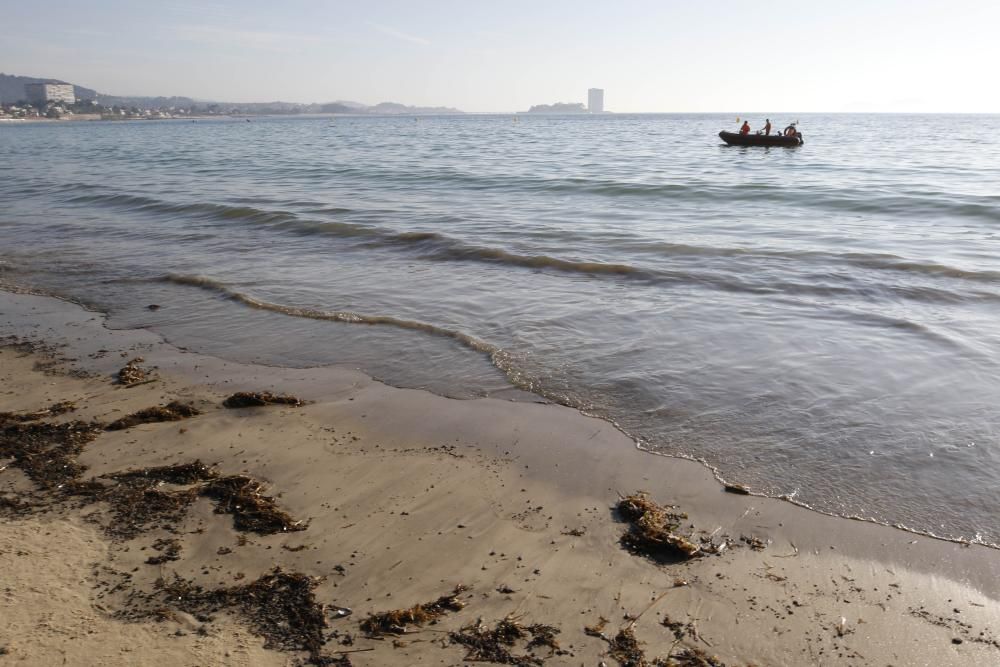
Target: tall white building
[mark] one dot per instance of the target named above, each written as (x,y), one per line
(40,93)
(595,100)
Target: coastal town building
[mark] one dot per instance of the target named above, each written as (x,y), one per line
(595,100)
(40,93)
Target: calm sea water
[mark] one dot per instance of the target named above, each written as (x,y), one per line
(820,322)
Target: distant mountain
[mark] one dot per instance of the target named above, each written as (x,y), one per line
(147,102)
(394,108)
(12,88)
(559,107)
(340,107)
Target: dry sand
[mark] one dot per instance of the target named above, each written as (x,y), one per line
(407,495)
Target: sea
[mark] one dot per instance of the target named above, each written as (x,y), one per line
(819,323)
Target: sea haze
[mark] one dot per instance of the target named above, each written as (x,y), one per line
(820,322)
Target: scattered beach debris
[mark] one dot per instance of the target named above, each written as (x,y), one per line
(45,452)
(625,649)
(171,412)
(754,543)
(140,500)
(51,411)
(960,628)
(494,645)
(137,508)
(132,373)
(280,606)
(248,399)
(169,548)
(252,511)
(395,622)
(597,630)
(178,473)
(679,628)
(575,532)
(738,489)
(688,656)
(652,530)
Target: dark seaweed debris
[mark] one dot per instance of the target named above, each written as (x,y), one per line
(132,373)
(395,622)
(173,411)
(137,508)
(280,606)
(139,500)
(652,530)
(170,549)
(693,657)
(495,645)
(53,410)
(252,511)
(247,399)
(179,473)
(626,650)
(47,453)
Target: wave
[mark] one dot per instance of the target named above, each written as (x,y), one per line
(434,246)
(219,211)
(344,316)
(454,249)
(851,200)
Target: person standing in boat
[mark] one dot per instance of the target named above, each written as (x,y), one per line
(745,130)
(767,127)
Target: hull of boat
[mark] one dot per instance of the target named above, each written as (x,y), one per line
(736,139)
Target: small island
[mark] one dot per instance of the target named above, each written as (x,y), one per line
(559,107)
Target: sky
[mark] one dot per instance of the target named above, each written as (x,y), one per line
(478,55)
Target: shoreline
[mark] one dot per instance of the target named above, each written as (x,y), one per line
(515,392)
(492,463)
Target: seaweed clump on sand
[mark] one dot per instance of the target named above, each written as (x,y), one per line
(132,373)
(137,508)
(252,511)
(248,399)
(171,412)
(53,410)
(395,622)
(626,650)
(495,645)
(47,453)
(170,549)
(280,606)
(139,499)
(179,473)
(653,529)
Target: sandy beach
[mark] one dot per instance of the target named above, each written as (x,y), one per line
(387,498)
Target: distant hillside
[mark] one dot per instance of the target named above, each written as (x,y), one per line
(12,88)
(559,107)
(395,108)
(146,102)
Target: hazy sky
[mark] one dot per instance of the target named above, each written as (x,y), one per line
(649,55)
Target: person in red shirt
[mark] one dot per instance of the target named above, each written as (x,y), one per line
(745,129)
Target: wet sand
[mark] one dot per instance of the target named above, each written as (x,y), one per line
(408,494)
